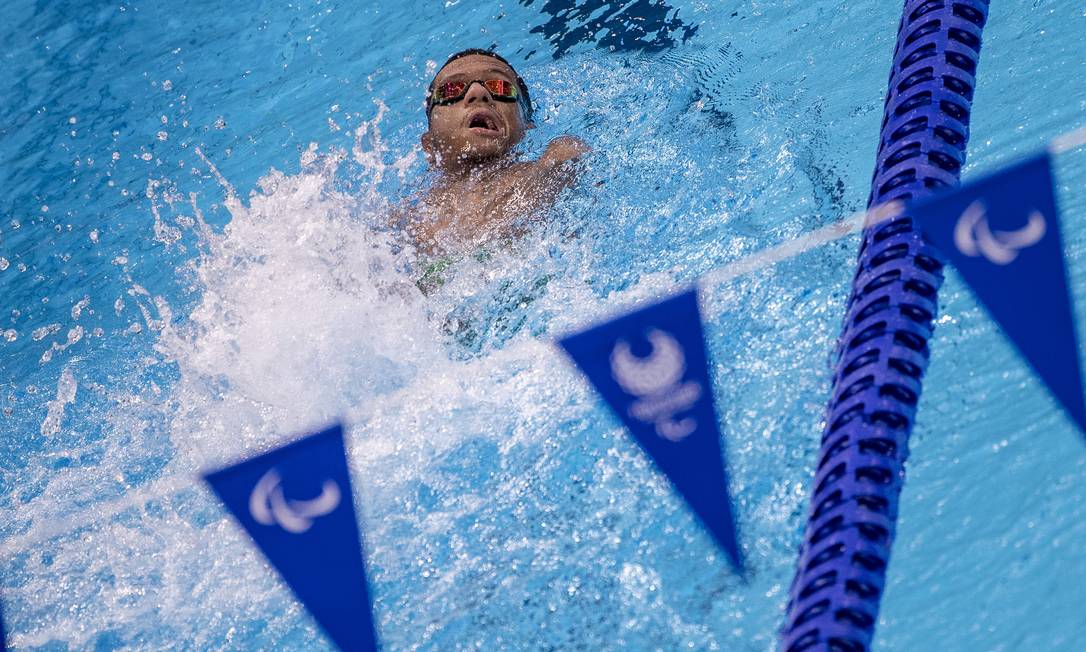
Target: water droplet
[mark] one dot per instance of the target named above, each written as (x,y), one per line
(41,333)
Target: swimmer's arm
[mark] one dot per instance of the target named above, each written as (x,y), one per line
(555,170)
(561,155)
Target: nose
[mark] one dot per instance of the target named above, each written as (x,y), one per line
(477,93)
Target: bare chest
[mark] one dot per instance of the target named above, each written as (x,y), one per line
(480,206)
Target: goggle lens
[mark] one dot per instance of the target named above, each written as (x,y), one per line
(501,88)
(454,90)
(449,90)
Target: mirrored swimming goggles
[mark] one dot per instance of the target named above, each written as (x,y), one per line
(452,92)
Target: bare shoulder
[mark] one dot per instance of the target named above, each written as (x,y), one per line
(563,149)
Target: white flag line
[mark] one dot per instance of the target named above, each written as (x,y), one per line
(853,223)
(136,499)
(846,226)
(1068,141)
(806,242)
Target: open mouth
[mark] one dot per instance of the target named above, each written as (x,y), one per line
(483,122)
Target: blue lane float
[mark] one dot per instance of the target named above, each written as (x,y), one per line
(883,349)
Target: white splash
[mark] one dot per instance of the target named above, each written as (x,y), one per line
(66,390)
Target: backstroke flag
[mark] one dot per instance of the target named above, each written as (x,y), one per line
(297,505)
(1002,233)
(652,368)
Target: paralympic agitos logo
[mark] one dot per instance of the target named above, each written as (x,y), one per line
(656,381)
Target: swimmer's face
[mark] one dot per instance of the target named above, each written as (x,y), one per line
(478,127)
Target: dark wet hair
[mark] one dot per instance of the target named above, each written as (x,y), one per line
(521,86)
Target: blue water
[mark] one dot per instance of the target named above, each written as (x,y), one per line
(194,265)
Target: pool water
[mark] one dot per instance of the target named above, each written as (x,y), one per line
(195,265)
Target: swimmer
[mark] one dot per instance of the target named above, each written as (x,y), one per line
(479,110)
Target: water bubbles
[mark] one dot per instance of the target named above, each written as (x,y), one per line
(67,386)
(4,264)
(167,85)
(41,333)
(116,156)
(162,135)
(146,156)
(72,120)
(10,335)
(94,236)
(220,123)
(77,309)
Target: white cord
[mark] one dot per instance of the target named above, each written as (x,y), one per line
(855,222)
(1068,141)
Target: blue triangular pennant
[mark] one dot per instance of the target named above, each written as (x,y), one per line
(297,505)
(652,368)
(1002,233)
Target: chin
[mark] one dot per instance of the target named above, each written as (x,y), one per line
(479,152)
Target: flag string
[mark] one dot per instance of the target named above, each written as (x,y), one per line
(171,485)
(1069,141)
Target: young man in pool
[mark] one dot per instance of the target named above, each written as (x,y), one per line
(479,110)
